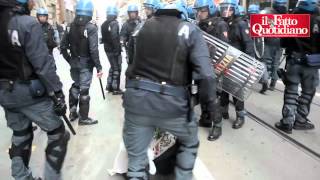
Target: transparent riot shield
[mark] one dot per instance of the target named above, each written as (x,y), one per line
(236,71)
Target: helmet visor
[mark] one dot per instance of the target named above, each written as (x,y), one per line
(227,10)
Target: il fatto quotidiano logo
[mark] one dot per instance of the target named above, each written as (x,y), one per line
(280,25)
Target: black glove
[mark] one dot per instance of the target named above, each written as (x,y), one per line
(60,107)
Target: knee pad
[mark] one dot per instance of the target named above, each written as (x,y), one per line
(84,99)
(22,150)
(290,97)
(57,149)
(84,92)
(305,101)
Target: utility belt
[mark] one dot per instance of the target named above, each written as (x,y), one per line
(297,58)
(162,88)
(310,60)
(35,86)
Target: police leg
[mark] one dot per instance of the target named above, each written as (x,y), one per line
(116,75)
(216,130)
(225,104)
(20,150)
(264,81)
(137,135)
(43,115)
(84,104)
(110,76)
(310,81)
(56,151)
(204,121)
(277,52)
(267,60)
(292,80)
(74,93)
(187,134)
(240,113)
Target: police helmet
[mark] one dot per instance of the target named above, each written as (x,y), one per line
(42,12)
(277,3)
(22,1)
(206,3)
(112,10)
(307,5)
(162,5)
(242,11)
(229,5)
(191,12)
(133,8)
(154,4)
(84,8)
(253,9)
(180,7)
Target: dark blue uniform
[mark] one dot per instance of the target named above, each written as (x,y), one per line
(296,108)
(239,38)
(81,38)
(27,72)
(157,93)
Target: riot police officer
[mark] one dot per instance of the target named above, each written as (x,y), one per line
(157,89)
(81,39)
(259,48)
(27,77)
(296,107)
(48,31)
(150,7)
(129,26)
(239,38)
(215,26)
(272,49)
(112,47)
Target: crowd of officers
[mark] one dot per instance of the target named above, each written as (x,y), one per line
(169,71)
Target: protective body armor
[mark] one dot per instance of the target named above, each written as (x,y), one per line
(308,45)
(234,34)
(210,26)
(48,35)
(79,39)
(13,60)
(132,24)
(105,29)
(150,62)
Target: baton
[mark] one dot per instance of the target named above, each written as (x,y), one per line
(104,97)
(55,100)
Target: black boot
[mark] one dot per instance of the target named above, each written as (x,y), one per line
(287,128)
(238,123)
(215,133)
(87,121)
(109,89)
(264,88)
(117,92)
(307,125)
(272,85)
